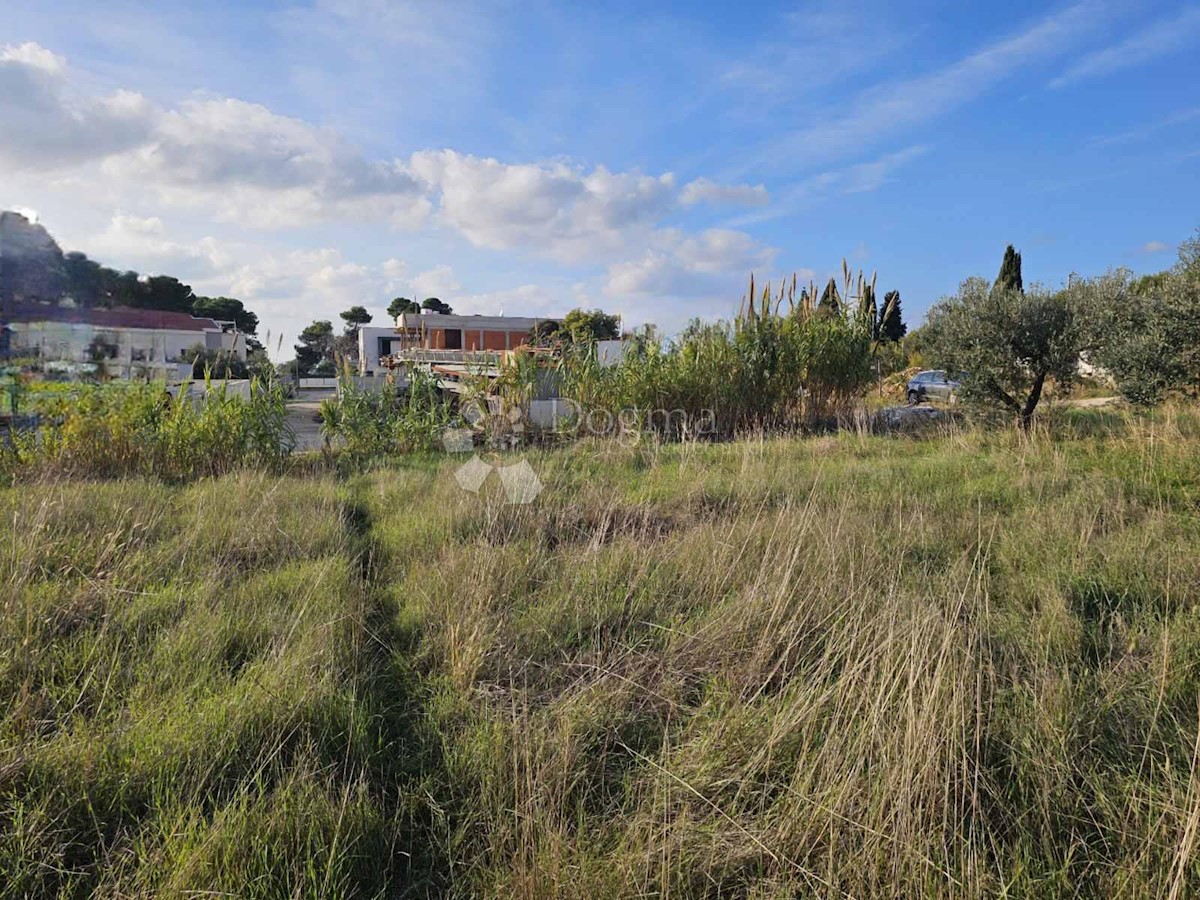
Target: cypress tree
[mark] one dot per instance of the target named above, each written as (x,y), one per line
(831,301)
(891,319)
(869,308)
(1009,278)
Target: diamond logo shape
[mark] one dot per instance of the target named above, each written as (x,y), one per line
(472,474)
(521,483)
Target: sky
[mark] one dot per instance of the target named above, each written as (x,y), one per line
(529,157)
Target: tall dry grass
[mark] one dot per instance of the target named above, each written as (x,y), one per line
(963,666)
(844,667)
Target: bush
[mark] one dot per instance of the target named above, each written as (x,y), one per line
(378,422)
(120,429)
(1146,333)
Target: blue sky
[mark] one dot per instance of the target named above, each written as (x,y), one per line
(644,158)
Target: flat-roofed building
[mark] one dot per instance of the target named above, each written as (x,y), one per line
(441,331)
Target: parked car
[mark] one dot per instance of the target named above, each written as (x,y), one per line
(930,385)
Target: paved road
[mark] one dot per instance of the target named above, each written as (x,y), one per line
(301,418)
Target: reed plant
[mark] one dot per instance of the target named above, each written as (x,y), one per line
(781,364)
(373,422)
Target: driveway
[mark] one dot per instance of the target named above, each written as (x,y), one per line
(301,418)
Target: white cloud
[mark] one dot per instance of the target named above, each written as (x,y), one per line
(436,282)
(242,163)
(44,127)
(360,38)
(832,31)
(289,289)
(1152,247)
(702,190)
(523,300)
(1157,39)
(689,264)
(1149,129)
(856,179)
(395,270)
(552,209)
(272,170)
(871,176)
(145,239)
(34,56)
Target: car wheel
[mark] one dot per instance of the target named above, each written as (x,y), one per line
(913,398)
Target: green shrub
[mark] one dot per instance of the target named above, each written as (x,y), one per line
(369,422)
(1145,333)
(118,429)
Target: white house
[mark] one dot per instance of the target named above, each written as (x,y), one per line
(125,342)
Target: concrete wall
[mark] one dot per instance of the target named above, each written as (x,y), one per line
(550,414)
(368,382)
(610,353)
(368,347)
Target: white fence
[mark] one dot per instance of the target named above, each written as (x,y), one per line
(365,382)
(198,390)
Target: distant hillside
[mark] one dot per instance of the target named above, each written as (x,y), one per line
(34,268)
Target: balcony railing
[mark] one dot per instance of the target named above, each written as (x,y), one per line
(452,357)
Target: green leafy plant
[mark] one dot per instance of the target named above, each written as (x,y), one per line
(121,428)
(371,422)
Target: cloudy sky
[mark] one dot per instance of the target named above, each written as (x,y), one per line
(533,156)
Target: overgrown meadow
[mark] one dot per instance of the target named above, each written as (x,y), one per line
(841,665)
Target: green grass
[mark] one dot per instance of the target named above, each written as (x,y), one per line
(841,666)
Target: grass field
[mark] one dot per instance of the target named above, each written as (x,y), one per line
(963,666)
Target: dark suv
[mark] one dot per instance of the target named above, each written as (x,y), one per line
(932,384)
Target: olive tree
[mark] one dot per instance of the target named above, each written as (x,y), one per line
(1145,333)
(1005,344)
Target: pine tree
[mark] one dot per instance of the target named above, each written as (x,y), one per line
(1009,278)
(354,317)
(401,305)
(891,319)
